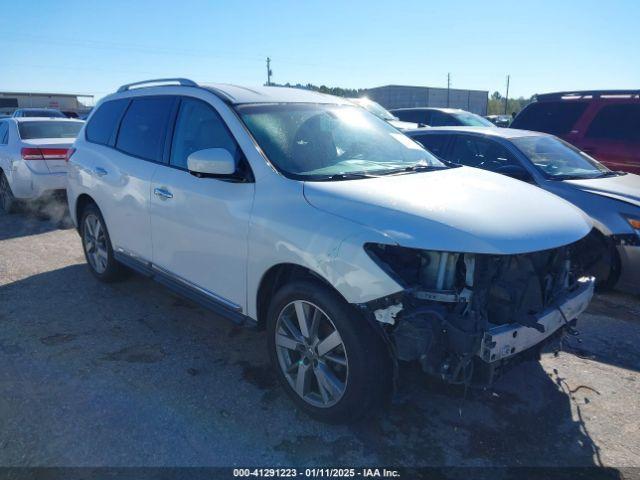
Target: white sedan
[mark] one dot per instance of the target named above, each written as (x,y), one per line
(33,157)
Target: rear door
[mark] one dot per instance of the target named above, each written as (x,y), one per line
(613,136)
(122,165)
(200,225)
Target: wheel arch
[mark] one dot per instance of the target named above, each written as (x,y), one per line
(82,201)
(276,277)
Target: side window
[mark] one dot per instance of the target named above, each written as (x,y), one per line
(616,122)
(481,153)
(439,119)
(410,116)
(4,130)
(556,118)
(436,144)
(144,125)
(104,121)
(199,126)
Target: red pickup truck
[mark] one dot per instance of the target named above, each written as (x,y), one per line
(603,123)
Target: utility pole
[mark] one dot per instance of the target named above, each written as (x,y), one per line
(506,99)
(448,87)
(269,72)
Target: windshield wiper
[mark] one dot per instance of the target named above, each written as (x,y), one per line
(610,173)
(348,176)
(415,168)
(584,177)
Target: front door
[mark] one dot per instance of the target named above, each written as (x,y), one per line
(200,225)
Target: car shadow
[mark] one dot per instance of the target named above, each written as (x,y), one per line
(609,331)
(129,374)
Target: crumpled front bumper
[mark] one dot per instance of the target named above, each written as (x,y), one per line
(504,341)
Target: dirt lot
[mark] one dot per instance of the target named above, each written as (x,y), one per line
(129,374)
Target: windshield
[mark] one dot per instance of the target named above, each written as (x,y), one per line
(32,130)
(375,108)
(469,119)
(558,159)
(318,142)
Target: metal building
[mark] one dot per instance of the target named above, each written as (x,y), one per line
(402,96)
(68,102)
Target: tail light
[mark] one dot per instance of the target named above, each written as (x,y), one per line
(32,154)
(44,153)
(69,154)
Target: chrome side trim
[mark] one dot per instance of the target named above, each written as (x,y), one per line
(147,268)
(203,291)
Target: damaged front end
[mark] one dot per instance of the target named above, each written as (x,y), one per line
(463,316)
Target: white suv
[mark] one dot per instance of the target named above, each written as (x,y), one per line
(350,244)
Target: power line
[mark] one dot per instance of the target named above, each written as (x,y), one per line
(269,72)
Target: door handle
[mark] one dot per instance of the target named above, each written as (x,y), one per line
(162,193)
(101,172)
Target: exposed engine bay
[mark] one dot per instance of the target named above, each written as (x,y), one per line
(462,309)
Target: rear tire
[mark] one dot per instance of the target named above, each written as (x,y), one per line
(97,246)
(7,201)
(334,366)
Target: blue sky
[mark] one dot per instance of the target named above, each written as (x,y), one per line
(94,46)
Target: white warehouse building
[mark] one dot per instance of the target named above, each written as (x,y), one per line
(67,102)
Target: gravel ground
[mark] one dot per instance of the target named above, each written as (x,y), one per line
(130,375)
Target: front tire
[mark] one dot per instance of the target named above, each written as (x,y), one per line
(330,361)
(97,246)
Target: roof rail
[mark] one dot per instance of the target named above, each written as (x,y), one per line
(152,83)
(588,93)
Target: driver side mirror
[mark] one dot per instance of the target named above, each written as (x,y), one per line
(216,162)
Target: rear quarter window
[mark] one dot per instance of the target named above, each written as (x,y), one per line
(556,118)
(103,123)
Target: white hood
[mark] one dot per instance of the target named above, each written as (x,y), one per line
(459,209)
(625,188)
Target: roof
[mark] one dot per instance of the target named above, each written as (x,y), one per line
(440,109)
(48,119)
(588,94)
(237,94)
(489,131)
(31,109)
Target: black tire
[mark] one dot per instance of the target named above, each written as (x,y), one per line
(611,268)
(368,384)
(113,270)
(7,201)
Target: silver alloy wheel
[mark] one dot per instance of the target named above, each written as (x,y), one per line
(95,243)
(311,354)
